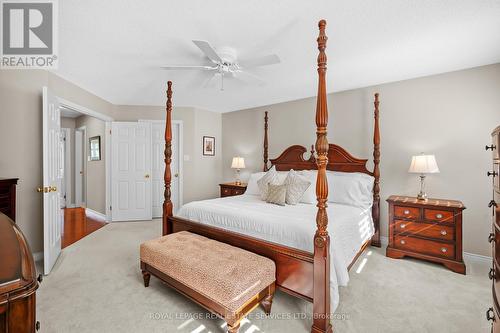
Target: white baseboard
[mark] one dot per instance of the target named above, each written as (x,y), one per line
(467,256)
(476,257)
(38,256)
(93,213)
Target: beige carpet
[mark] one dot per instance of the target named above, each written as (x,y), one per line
(96,286)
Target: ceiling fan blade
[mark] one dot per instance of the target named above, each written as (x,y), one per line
(206,68)
(210,82)
(209,51)
(248,78)
(270,59)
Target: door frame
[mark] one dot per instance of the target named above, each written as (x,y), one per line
(82,150)
(107,147)
(181,154)
(67,166)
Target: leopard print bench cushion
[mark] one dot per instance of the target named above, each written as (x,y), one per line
(223,273)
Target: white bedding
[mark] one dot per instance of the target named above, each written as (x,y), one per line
(349,227)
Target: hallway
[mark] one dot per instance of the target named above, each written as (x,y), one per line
(78,225)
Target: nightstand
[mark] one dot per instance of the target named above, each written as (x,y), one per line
(230,189)
(429,230)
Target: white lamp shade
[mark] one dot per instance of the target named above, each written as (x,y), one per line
(423,164)
(238,163)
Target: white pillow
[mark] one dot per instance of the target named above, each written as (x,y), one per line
(271,177)
(350,188)
(296,186)
(309,196)
(252,187)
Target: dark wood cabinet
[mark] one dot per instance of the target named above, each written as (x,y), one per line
(18,281)
(8,197)
(230,189)
(493,313)
(426,229)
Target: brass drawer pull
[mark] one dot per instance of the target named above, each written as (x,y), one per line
(490,315)
(443,232)
(491,274)
(491,237)
(403,226)
(406,212)
(439,216)
(444,250)
(402,242)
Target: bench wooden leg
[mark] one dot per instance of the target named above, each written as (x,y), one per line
(146,276)
(267,301)
(233,329)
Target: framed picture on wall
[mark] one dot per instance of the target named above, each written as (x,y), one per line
(95,148)
(208,146)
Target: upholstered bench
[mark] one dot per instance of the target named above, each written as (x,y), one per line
(224,279)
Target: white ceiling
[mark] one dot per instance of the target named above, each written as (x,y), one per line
(113,48)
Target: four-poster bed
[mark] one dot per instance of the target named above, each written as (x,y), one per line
(301,273)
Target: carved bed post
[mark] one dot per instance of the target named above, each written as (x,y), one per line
(266,144)
(167,177)
(321,293)
(376,174)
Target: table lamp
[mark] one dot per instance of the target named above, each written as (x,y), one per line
(238,164)
(423,164)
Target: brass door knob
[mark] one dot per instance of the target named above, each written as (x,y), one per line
(44,189)
(52,189)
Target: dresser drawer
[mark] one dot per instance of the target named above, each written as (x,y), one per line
(425,246)
(445,216)
(238,191)
(225,192)
(425,230)
(407,212)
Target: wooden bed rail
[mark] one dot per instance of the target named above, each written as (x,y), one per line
(167,177)
(376,175)
(321,298)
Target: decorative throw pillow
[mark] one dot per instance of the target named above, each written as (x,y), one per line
(276,194)
(271,177)
(296,186)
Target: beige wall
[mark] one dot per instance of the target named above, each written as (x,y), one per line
(21,134)
(95,171)
(450,115)
(196,123)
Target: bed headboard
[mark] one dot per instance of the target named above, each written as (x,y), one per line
(338,160)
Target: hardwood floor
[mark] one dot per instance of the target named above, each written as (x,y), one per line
(77,225)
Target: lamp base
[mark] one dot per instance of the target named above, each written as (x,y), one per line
(422,196)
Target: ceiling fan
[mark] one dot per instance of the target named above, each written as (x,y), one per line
(226,64)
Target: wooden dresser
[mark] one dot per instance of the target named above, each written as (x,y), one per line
(493,313)
(8,197)
(18,282)
(230,189)
(429,230)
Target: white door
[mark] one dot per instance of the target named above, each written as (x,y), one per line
(78,168)
(131,171)
(158,167)
(53,167)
